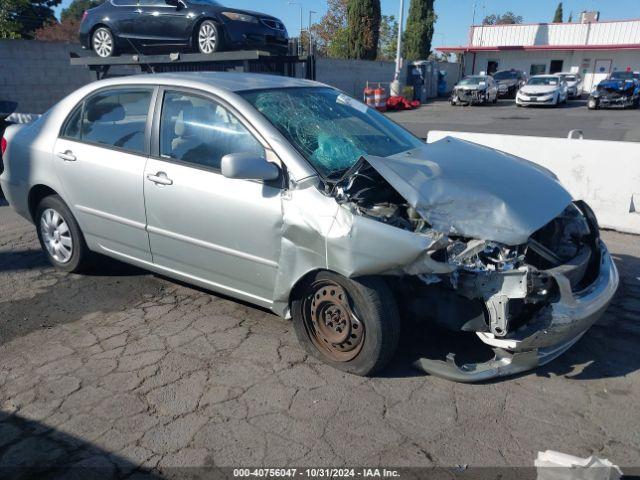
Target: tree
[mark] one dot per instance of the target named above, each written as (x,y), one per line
(10,27)
(330,33)
(33,14)
(76,8)
(507,18)
(388,41)
(363,28)
(64,31)
(570,19)
(419,32)
(557,18)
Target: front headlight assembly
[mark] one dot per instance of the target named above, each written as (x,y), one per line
(240,17)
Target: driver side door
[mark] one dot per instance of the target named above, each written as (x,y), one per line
(162,24)
(221,233)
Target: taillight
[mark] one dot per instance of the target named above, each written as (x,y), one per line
(3,145)
(84,16)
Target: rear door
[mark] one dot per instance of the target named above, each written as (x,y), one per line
(221,233)
(100,157)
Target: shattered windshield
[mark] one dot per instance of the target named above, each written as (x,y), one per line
(330,129)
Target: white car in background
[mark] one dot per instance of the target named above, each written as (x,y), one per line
(574,83)
(543,90)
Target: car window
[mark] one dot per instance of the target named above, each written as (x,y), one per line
(72,125)
(200,131)
(117,118)
(152,3)
(124,3)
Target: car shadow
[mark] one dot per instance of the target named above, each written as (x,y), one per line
(31,449)
(607,350)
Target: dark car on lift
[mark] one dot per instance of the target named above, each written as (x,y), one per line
(621,89)
(509,82)
(204,26)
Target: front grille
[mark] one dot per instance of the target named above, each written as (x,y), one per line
(273,24)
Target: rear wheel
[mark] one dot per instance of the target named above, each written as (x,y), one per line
(353,325)
(60,235)
(103,43)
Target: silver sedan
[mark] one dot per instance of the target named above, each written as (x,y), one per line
(293,196)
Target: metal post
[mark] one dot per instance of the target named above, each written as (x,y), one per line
(396,76)
(301,27)
(311,12)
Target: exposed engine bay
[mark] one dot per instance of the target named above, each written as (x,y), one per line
(483,286)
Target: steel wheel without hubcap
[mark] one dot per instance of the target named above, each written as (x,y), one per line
(332,325)
(207,38)
(103,42)
(56,236)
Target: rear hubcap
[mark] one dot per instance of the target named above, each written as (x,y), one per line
(332,325)
(56,236)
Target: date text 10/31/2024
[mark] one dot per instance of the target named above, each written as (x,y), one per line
(315,473)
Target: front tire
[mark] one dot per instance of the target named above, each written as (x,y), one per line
(352,325)
(103,42)
(60,236)
(209,38)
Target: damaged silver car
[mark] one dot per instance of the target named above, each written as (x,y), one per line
(293,196)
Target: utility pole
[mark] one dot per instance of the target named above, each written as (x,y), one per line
(395,87)
(301,27)
(311,45)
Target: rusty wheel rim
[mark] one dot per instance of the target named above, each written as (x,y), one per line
(331,323)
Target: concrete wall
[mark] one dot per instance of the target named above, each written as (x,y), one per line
(351,76)
(604,174)
(37,74)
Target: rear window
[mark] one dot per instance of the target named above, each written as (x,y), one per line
(114,118)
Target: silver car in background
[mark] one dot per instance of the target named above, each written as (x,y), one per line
(474,89)
(574,83)
(293,196)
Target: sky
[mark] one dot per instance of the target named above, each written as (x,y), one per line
(454,16)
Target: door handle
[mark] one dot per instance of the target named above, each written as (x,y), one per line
(67,156)
(160,178)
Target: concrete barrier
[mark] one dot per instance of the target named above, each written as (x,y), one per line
(605,174)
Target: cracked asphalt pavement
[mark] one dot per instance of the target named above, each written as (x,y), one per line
(122,370)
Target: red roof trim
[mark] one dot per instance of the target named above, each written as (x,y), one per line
(463,49)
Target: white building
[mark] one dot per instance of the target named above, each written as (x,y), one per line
(593,49)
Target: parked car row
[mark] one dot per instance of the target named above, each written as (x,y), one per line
(620,89)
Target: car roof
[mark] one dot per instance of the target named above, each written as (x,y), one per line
(547,76)
(230,81)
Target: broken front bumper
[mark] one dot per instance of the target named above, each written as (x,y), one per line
(551,332)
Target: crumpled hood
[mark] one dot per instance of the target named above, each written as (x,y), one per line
(616,84)
(467,189)
(471,88)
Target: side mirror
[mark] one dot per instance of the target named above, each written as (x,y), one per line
(173,3)
(248,166)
